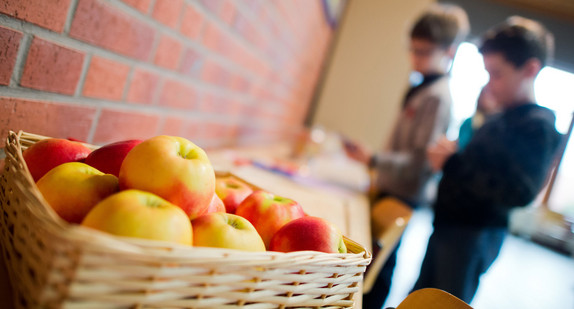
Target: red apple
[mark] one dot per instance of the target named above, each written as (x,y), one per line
(173,168)
(223,230)
(108,158)
(72,189)
(268,212)
(232,192)
(134,213)
(308,233)
(46,154)
(216,205)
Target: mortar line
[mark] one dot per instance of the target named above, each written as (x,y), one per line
(68,42)
(70,16)
(51,97)
(21,57)
(94,125)
(128,84)
(83,75)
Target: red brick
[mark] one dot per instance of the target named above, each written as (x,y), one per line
(216,104)
(106,79)
(212,5)
(193,131)
(248,31)
(168,53)
(190,63)
(141,5)
(172,126)
(116,125)
(143,87)
(216,131)
(227,12)
(9,43)
(239,83)
(103,25)
(216,40)
(214,73)
(178,95)
(191,23)
(52,68)
(45,118)
(168,12)
(48,14)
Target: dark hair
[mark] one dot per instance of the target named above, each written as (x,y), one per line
(442,24)
(519,40)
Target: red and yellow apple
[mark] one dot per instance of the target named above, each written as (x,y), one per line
(173,168)
(72,189)
(135,213)
(109,158)
(223,230)
(46,154)
(308,233)
(232,192)
(268,212)
(216,205)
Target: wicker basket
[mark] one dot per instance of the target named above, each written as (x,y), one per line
(53,264)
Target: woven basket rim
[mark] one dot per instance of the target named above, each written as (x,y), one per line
(143,248)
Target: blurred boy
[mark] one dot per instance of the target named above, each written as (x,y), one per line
(402,167)
(504,165)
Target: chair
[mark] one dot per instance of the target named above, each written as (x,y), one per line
(430,298)
(389,218)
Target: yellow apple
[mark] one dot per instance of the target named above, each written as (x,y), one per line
(135,213)
(173,168)
(223,230)
(73,189)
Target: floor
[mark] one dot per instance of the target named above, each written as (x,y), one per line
(525,275)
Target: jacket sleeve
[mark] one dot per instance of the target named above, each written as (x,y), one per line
(507,167)
(428,125)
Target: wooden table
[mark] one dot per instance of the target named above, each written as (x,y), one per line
(348,208)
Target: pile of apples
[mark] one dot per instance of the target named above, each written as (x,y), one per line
(165,188)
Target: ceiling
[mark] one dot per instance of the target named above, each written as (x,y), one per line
(562,9)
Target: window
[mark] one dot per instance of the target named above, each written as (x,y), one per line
(553,89)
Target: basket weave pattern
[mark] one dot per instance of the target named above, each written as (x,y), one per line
(53,264)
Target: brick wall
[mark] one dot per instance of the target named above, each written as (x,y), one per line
(219,72)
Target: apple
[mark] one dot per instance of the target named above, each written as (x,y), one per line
(46,154)
(72,189)
(173,168)
(109,158)
(268,212)
(135,213)
(223,230)
(308,233)
(216,205)
(232,192)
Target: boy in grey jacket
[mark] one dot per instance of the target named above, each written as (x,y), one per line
(402,169)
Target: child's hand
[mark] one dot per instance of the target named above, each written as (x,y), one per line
(438,153)
(356,152)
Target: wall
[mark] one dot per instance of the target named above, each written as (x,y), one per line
(368,75)
(219,72)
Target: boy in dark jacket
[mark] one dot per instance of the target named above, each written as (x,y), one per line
(504,165)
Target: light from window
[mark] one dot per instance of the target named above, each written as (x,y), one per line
(553,89)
